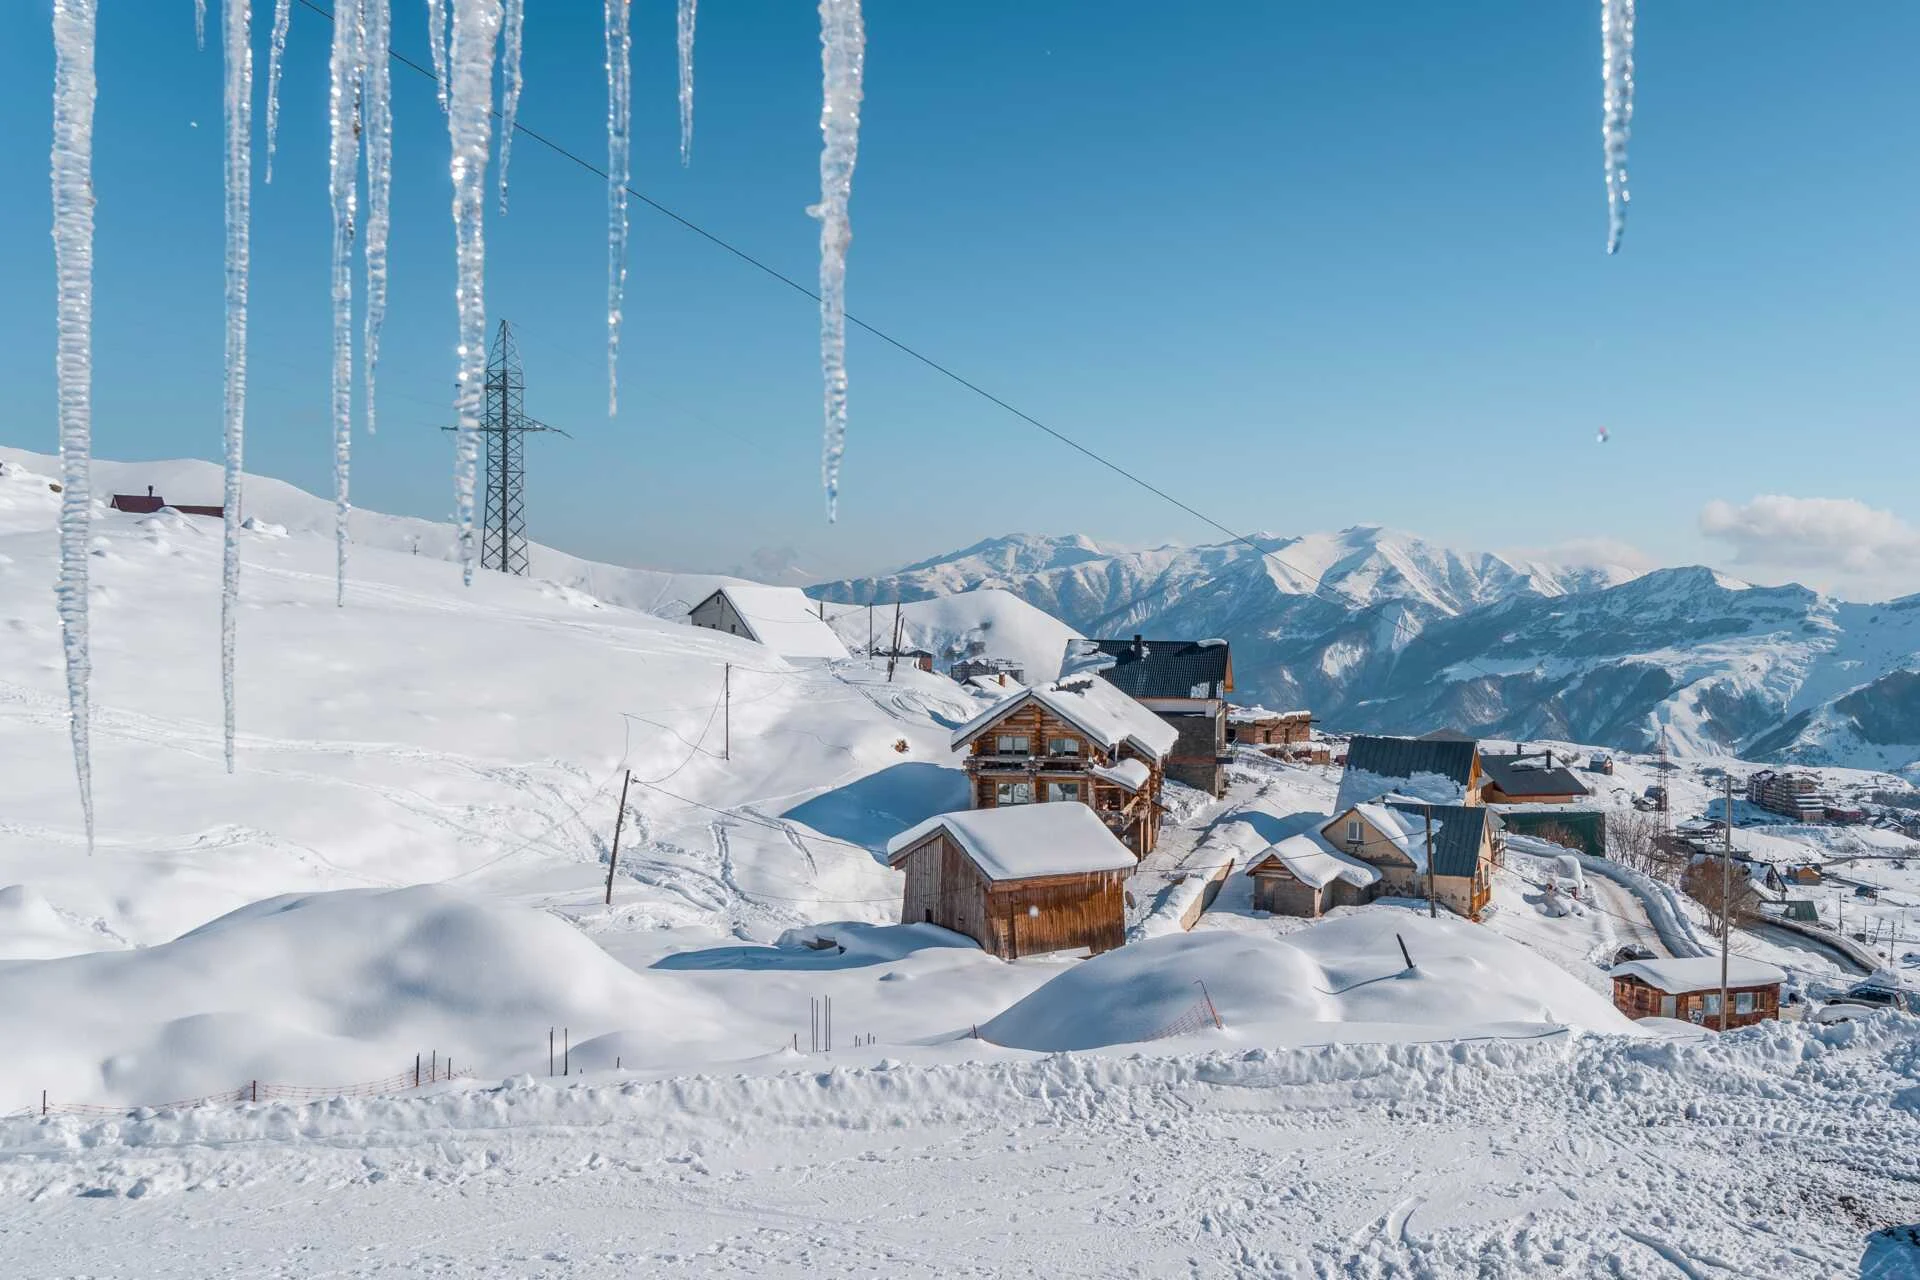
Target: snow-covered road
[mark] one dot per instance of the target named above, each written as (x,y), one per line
(1778,1151)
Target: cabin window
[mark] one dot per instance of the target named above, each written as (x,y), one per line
(1063,791)
(1011,744)
(1743,1002)
(1353,832)
(1063,746)
(1667,1006)
(1013,793)
(1713,1005)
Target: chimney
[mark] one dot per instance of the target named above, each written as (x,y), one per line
(149,491)
(1139,646)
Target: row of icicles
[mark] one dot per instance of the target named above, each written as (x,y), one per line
(463,36)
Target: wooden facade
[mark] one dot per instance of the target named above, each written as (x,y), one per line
(1288,729)
(1640,999)
(1032,756)
(1400,877)
(1011,918)
(1279,891)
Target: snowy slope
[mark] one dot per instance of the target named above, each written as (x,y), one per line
(989,622)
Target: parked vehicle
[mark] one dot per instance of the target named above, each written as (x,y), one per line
(1632,952)
(1871,996)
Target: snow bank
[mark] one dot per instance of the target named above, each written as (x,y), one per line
(321,989)
(1340,981)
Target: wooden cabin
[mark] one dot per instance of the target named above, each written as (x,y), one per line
(1439,766)
(1078,740)
(1304,875)
(1529,778)
(1184,682)
(1390,835)
(1690,990)
(1019,881)
(135,504)
(1259,727)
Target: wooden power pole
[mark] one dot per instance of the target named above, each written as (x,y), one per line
(1433,911)
(613,859)
(1726,902)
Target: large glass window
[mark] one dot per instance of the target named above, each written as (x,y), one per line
(1713,1005)
(1013,793)
(1063,791)
(1011,744)
(1743,1002)
(1063,746)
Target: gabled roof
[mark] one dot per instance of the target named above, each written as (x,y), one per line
(1021,842)
(1313,861)
(1528,775)
(1702,973)
(1145,668)
(1458,832)
(782,618)
(144,504)
(1094,707)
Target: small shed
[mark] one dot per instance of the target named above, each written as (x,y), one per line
(1303,875)
(148,504)
(1690,990)
(1019,881)
(783,619)
(1807,874)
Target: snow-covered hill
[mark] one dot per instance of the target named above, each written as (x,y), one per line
(985,623)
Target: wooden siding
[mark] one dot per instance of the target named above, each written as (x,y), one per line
(1284,894)
(1639,999)
(1133,817)
(1012,918)
(1464,895)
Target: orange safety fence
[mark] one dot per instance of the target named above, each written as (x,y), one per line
(262,1091)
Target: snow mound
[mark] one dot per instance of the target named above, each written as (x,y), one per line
(320,989)
(987,623)
(1341,981)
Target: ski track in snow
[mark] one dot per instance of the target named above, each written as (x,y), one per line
(1585,1156)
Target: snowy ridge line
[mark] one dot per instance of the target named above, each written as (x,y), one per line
(252,1091)
(1764,1069)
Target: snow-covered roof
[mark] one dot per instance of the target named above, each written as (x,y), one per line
(1131,774)
(1313,861)
(1019,842)
(1092,706)
(1407,832)
(1000,683)
(784,619)
(1255,715)
(1700,973)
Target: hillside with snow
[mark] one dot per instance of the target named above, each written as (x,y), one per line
(987,622)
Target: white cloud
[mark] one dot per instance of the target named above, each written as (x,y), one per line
(1841,540)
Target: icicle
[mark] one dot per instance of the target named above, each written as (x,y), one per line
(282,14)
(476,29)
(1616,126)
(688,9)
(843,42)
(200,25)
(377,94)
(73,95)
(437,43)
(619,151)
(237,28)
(510,77)
(343,165)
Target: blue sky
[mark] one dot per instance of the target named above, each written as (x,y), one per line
(1305,266)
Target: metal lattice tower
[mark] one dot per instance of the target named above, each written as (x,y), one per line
(505,425)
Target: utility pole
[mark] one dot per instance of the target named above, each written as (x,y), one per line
(893,650)
(1726,902)
(869,628)
(726,720)
(613,860)
(1433,911)
(505,425)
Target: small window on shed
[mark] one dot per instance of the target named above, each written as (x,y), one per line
(1743,1002)
(1713,1004)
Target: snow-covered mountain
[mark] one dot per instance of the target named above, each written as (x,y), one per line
(1376,630)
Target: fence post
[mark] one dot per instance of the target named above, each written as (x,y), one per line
(549,1052)
(1404,955)
(566,1051)
(43,1102)
(1208,997)
(433,1072)
(256,1091)
(416,1071)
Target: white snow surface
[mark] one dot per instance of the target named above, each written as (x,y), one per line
(1313,861)
(1018,842)
(988,623)
(1131,774)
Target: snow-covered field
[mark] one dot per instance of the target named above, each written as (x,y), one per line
(411,859)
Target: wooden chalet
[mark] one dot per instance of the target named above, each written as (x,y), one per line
(1529,777)
(1304,875)
(1077,740)
(1390,836)
(1690,990)
(1184,682)
(1439,767)
(1019,881)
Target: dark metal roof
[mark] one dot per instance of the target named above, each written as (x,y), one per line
(1405,757)
(1146,668)
(1502,772)
(1457,834)
(144,504)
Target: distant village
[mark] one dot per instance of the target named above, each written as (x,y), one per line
(1068,780)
